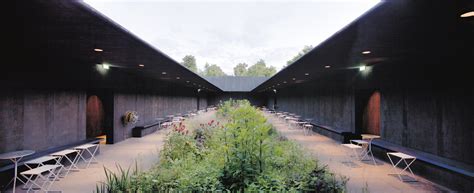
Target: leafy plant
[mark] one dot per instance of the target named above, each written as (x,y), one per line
(244,154)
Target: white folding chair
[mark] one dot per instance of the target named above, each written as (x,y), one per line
(64,154)
(366,149)
(307,129)
(403,157)
(38,162)
(87,148)
(43,173)
(354,149)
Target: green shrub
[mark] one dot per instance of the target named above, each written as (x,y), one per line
(245,154)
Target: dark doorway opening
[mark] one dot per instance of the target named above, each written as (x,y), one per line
(367,112)
(99,116)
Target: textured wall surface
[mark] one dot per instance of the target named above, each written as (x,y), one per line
(434,121)
(437,122)
(41,120)
(330,107)
(149,107)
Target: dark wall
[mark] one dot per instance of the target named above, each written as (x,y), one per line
(328,106)
(149,107)
(39,120)
(434,121)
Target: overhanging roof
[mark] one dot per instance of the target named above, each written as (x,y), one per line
(62,35)
(412,43)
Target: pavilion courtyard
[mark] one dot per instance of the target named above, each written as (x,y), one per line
(84,100)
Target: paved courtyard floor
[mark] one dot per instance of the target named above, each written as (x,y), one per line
(363,176)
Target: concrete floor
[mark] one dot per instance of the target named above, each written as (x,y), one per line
(362,175)
(145,152)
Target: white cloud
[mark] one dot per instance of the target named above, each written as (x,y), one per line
(230,32)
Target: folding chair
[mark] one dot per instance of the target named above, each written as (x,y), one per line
(354,149)
(366,149)
(307,128)
(403,157)
(87,148)
(34,175)
(64,154)
(38,162)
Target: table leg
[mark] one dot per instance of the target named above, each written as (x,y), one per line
(16,170)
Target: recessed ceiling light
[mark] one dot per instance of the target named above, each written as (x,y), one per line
(362,68)
(141,65)
(187,81)
(163,72)
(366,52)
(178,77)
(278,84)
(306,74)
(468,14)
(327,66)
(98,50)
(294,78)
(284,82)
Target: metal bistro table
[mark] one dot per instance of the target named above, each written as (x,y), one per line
(366,143)
(15,157)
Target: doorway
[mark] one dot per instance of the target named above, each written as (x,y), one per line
(99,116)
(367,112)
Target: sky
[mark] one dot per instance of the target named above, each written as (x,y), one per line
(229,32)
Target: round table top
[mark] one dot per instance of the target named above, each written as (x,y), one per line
(16,154)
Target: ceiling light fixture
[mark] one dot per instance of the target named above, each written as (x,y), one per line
(306,74)
(468,14)
(163,73)
(105,66)
(284,82)
(187,81)
(362,68)
(98,50)
(366,52)
(178,77)
(294,78)
(327,66)
(141,65)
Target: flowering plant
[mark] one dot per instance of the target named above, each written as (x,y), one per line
(180,128)
(130,117)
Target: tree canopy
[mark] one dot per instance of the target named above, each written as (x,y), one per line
(260,69)
(190,62)
(240,69)
(212,70)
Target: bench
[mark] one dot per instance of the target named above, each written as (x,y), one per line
(142,130)
(341,136)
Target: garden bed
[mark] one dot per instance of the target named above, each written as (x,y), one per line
(239,151)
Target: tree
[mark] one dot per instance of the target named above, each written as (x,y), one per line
(260,69)
(305,50)
(240,69)
(212,70)
(190,62)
